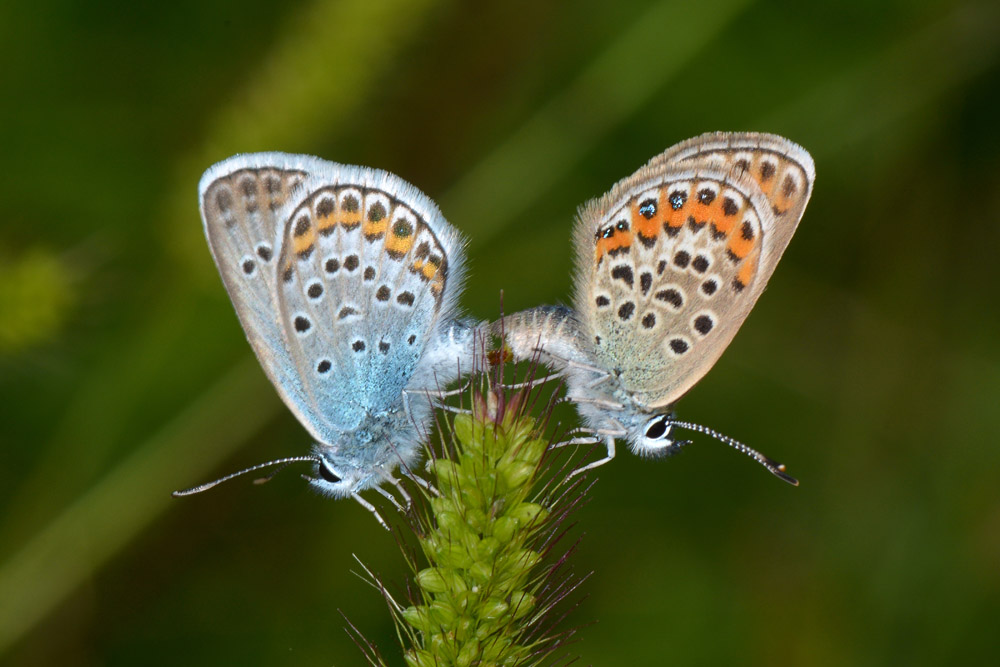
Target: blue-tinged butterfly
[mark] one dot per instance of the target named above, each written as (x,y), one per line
(346,281)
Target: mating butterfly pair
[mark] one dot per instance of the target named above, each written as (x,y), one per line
(346,280)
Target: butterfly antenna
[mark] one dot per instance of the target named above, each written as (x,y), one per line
(277,462)
(776,469)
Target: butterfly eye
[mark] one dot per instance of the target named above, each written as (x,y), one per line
(327,474)
(657,428)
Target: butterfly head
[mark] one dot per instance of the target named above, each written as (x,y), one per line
(336,475)
(651,435)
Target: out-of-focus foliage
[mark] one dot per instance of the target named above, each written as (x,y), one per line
(870,367)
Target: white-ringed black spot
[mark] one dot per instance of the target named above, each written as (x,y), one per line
(788,186)
(709,287)
(301,225)
(706,196)
(645,282)
(625,311)
(767,170)
(621,226)
(649,320)
(314,291)
(729,206)
(677,199)
(248,266)
(332,265)
(302,323)
(747,230)
(647,209)
(661,267)
(346,312)
(701,264)
(672,297)
(383,347)
(382,293)
(678,345)
(350,203)
(288,274)
(405,298)
(682,258)
(323,366)
(369,273)
(376,212)
(607,232)
(602,301)
(412,339)
(264,252)
(703,324)
(351,262)
(358,346)
(402,228)
(624,274)
(324,208)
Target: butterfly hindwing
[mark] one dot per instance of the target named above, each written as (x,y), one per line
(669,266)
(364,279)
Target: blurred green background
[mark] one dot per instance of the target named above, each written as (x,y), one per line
(871,366)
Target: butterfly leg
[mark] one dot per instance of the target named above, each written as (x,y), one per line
(609,442)
(371,508)
(407,500)
(420,481)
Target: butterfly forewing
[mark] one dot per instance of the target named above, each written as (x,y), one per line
(244,201)
(669,267)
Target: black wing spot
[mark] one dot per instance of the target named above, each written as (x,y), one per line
(264,252)
(729,206)
(324,208)
(602,301)
(649,320)
(248,266)
(351,204)
(678,345)
(701,264)
(706,196)
(302,324)
(346,312)
(647,209)
(645,282)
(412,339)
(767,170)
(747,230)
(682,258)
(402,228)
(405,298)
(382,294)
(625,311)
(703,324)
(324,366)
(671,296)
(332,265)
(369,273)
(624,274)
(383,347)
(677,199)
(358,346)
(302,225)
(376,212)
(351,262)
(315,291)
(709,287)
